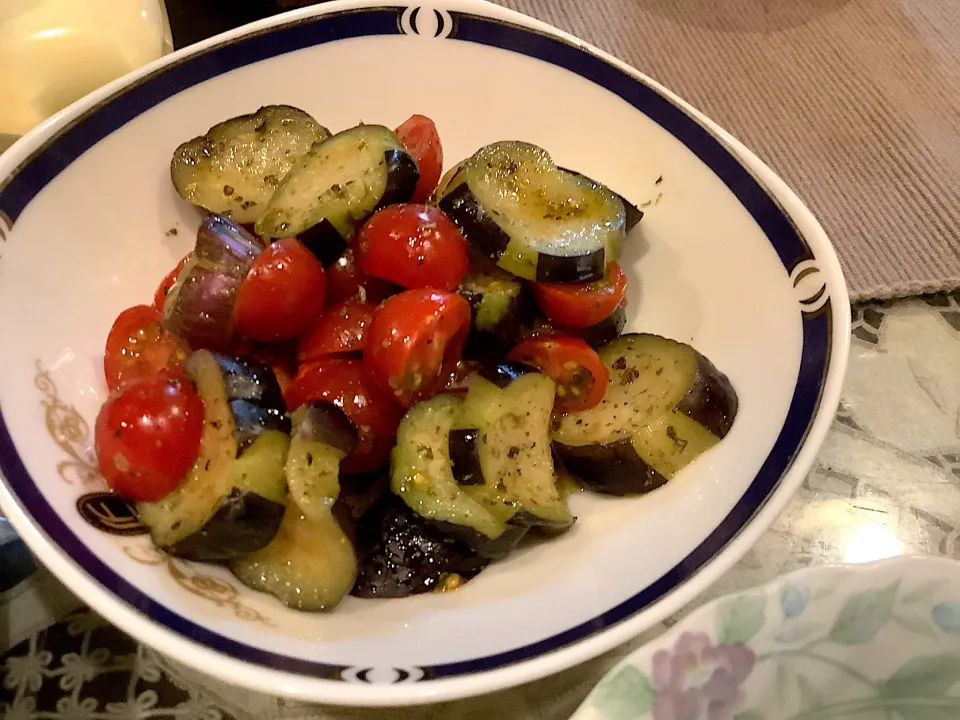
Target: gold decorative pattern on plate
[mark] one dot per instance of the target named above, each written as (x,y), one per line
(221,593)
(68,430)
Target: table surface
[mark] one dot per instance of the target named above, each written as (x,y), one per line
(887,482)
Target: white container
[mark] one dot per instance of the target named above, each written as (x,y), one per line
(53,52)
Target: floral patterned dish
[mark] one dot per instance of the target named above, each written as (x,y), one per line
(874,642)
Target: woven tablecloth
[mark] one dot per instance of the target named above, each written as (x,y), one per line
(855,103)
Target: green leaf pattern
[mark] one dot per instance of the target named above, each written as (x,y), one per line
(863,615)
(740,618)
(624,695)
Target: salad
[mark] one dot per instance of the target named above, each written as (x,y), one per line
(369,379)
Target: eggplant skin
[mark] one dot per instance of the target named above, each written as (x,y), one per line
(252,420)
(254,396)
(323,240)
(247,379)
(572,269)
(401,554)
(604,331)
(477,226)
(243,522)
(711,400)
(504,373)
(324,422)
(611,469)
(402,177)
(484,547)
(464,461)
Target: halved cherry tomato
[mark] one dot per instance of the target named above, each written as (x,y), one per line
(345,281)
(148,436)
(415,246)
(341,328)
(160,296)
(139,346)
(414,342)
(420,137)
(346,384)
(580,305)
(573,365)
(282,294)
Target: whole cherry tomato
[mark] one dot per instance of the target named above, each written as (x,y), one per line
(148,436)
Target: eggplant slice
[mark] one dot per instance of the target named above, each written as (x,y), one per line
(512,415)
(310,564)
(633,214)
(499,310)
(237,165)
(230,503)
(339,183)
(665,405)
(199,306)
(422,475)
(537,221)
(401,554)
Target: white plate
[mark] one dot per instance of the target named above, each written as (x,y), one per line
(860,641)
(727,258)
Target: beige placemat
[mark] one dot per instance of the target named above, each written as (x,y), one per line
(855,103)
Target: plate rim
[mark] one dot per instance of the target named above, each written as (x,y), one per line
(312,688)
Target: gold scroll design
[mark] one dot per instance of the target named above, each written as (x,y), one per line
(220,592)
(68,430)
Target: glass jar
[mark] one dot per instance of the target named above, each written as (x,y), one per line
(53,52)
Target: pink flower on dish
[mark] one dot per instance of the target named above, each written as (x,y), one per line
(698,680)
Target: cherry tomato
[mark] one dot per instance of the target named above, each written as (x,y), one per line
(160,296)
(148,436)
(420,137)
(573,365)
(414,342)
(346,384)
(415,246)
(282,294)
(341,328)
(345,281)
(580,305)
(139,346)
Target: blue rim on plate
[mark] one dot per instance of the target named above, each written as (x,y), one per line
(101,120)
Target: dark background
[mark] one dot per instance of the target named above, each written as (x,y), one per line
(193,20)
